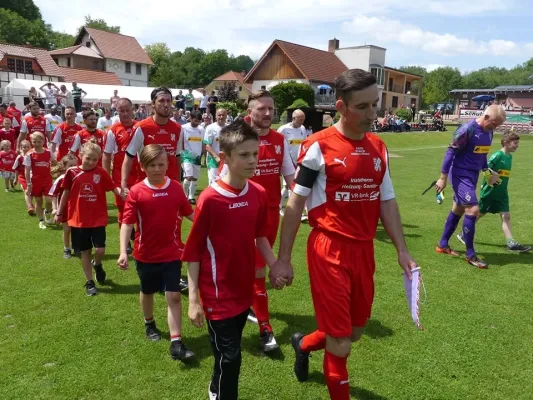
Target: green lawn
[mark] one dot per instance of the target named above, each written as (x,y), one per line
(56,343)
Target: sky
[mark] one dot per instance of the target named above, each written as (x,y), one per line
(466,34)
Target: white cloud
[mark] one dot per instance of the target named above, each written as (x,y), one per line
(432,67)
(447,44)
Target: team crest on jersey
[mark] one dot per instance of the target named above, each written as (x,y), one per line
(278,149)
(467,196)
(173,137)
(96,179)
(377,164)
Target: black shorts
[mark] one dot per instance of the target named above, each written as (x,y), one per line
(87,238)
(159,276)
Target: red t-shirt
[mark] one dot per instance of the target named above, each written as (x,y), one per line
(156,211)
(40,164)
(87,204)
(63,136)
(222,239)
(19,165)
(32,124)
(7,160)
(57,188)
(274,160)
(8,135)
(115,142)
(169,136)
(85,136)
(346,180)
(17,114)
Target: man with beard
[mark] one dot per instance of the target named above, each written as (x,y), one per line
(64,134)
(156,129)
(34,122)
(89,134)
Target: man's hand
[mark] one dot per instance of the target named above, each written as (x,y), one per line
(124,191)
(440,185)
(196,314)
(122,261)
(407,263)
(28,190)
(57,219)
(281,274)
(494,179)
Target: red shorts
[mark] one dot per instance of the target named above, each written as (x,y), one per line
(271,234)
(22,182)
(342,282)
(41,188)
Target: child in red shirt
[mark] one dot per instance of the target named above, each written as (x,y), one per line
(8,133)
(56,192)
(155,205)
(38,163)
(7,159)
(84,191)
(20,171)
(230,221)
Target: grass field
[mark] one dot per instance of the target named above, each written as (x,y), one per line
(56,343)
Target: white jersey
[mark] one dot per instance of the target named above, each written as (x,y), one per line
(79,120)
(211,137)
(53,121)
(295,137)
(104,123)
(192,142)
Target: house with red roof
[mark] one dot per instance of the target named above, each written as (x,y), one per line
(237,78)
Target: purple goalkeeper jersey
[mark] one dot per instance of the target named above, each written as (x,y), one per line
(468,149)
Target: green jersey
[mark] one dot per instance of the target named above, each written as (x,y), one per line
(189,100)
(501,163)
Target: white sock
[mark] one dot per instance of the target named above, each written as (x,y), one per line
(186,185)
(192,189)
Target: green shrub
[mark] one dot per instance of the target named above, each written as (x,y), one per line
(298,103)
(284,94)
(404,114)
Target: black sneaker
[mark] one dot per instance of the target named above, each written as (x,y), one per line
(67,254)
(301,363)
(99,273)
(76,253)
(129,250)
(517,247)
(183,285)
(267,341)
(152,333)
(192,202)
(90,288)
(251,317)
(178,351)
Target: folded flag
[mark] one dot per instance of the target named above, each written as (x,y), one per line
(412,291)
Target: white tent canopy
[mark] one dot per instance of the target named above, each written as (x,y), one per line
(17,89)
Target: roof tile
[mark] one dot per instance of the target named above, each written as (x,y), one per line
(90,77)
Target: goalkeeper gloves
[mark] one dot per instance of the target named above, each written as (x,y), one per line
(488,173)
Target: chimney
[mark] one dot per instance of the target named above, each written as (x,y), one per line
(243,73)
(333,45)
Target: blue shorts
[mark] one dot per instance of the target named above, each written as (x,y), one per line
(464,188)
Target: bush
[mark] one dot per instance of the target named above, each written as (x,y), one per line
(298,103)
(283,117)
(404,114)
(286,93)
(231,107)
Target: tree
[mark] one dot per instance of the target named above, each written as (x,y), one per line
(416,87)
(440,82)
(286,93)
(228,92)
(215,63)
(60,40)
(16,29)
(100,24)
(299,103)
(160,55)
(242,63)
(25,8)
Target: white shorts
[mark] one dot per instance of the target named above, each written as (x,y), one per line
(191,170)
(212,174)
(8,175)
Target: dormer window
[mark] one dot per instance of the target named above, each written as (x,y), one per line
(88,44)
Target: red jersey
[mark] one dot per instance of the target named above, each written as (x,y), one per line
(19,165)
(40,164)
(32,124)
(57,188)
(156,212)
(169,136)
(8,135)
(274,160)
(85,136)
(87,204)
(116,142)
(15,123)
(346,180)
(7,160)
(63,136)
(222,238)
(17,114)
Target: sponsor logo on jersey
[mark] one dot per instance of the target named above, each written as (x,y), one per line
(342,196)
(87,188)
(42,164)
(162,131)
(173,137)
(504,173)
(160,194)
(195,139)
(360,151)
(295,141)
(338,160)
(238,205)
(96,179)
(481,149)
(377,164)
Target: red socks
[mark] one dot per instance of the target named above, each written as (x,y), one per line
(336,376)
(313,342)
(260,304)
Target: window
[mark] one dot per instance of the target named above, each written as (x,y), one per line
(240,88)
(394,101)
(407,87)
(28,69)
(263,87)
(138,69)
(378,73)
(11,64)
(128,68)
(88,44)
(69,62)
(20,65)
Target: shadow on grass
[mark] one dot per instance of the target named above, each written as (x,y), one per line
(358,393)
(502,260)
(110,287)
(382,236)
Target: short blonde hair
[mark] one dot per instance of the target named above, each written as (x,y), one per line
(90,147)
(495,111)
(37,134)
(4,142)
(150,153)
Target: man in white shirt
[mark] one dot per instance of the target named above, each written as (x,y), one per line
(203,102)
(294,133)
(53,118)
(50,91)
(106,121)
(79,117)
(191,155)
(212,144)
